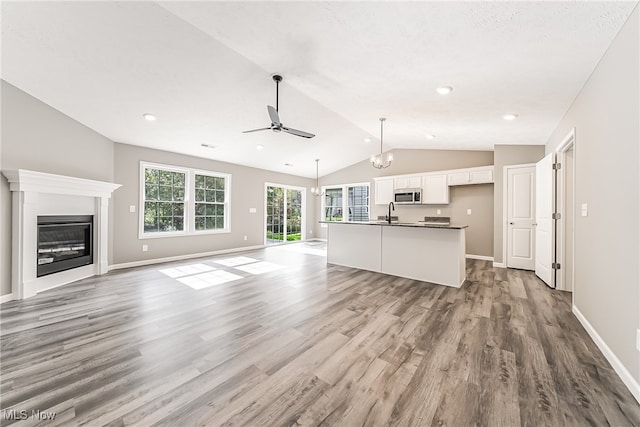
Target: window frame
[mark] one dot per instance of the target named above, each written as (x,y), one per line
(189,201)
(345,201)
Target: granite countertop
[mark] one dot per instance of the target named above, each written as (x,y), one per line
(399,224)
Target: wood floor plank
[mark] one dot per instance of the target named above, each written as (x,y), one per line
(306,344)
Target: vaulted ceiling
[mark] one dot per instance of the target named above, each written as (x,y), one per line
(204,69)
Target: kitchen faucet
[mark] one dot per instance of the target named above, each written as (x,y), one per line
(391,205)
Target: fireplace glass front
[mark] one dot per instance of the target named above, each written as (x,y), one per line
(64,242)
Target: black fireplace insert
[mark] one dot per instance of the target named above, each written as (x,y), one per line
(64,242)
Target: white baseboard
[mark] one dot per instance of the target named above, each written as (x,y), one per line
(6,298)
(480,257)
(181,257)
(623,373)
(499,264)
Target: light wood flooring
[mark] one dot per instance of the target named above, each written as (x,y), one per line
(307,344)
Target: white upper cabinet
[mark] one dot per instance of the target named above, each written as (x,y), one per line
(435,190)
(384,190)
(481,175)
(407,181)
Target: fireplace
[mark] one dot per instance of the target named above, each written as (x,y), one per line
(64,242)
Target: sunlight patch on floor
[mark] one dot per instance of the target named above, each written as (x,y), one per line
(319,249)
(186,270)
(211,278)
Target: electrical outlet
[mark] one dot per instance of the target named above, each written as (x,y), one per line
(145,248)
(132,208)
(252,210)
(584,209)
(310,232)
(439,211)
(245,237)
(468,211)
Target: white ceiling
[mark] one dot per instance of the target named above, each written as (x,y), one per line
(204,69)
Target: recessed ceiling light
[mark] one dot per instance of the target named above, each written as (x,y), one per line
(367,139)
(444,90)
(259,147)
(149,117)
(430,136)
(510,116)
(208,145)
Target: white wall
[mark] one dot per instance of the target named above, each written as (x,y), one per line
(606,116)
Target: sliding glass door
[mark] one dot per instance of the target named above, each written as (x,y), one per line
(284,213)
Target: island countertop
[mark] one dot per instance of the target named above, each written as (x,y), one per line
(399,224)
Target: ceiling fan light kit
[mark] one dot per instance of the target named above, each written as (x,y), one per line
(276,125)
(376,159)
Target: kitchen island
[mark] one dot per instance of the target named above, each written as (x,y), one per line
(430,253)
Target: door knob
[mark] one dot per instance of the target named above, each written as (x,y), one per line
(510,223)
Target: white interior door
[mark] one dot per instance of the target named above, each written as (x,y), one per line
(521,217)
(545,242)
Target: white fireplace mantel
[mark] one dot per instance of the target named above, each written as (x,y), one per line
(38,193)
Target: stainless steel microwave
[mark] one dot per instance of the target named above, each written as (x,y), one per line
(407,196)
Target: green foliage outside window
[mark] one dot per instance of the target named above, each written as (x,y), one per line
(164,194)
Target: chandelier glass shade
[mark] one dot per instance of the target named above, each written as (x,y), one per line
(377,159)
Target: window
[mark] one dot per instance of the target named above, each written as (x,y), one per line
(164,197)
(181,201)
(210,199)
(350,198)
(358,203)
(333,204)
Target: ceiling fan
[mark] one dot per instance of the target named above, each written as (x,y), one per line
(276,125)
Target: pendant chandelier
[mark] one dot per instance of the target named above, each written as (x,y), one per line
(316,190)
(376,159)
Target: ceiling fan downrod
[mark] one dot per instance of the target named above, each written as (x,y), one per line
(277,78)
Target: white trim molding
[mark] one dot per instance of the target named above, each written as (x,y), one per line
(37,193)
(6,298)
(499,265)
(623,373)
(480,257)
(182,257)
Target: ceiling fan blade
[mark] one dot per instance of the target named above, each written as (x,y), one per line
(297,132)
(255,130)
(273,114)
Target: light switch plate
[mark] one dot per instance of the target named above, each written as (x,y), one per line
(145,248)
(468,211)
(638,339)
(252,210)
(132,208)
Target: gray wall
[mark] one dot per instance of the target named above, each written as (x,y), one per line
(40,138)
(478,198)
(247,191)
(505,155)
(606,116)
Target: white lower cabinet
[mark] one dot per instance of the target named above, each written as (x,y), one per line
(435,190)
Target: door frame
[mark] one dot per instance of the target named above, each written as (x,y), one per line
(505,207)
(303,220)
(568,143)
